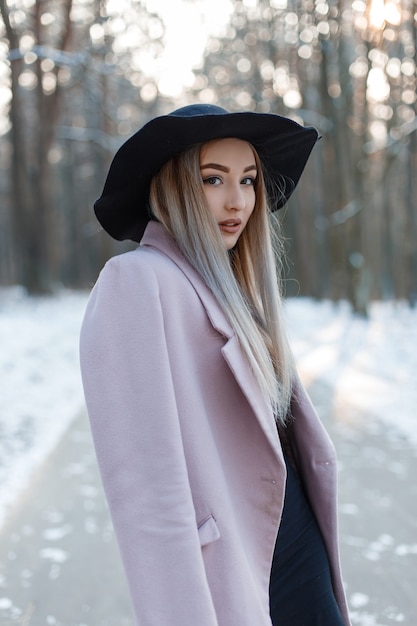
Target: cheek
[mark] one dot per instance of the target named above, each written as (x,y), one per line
(251,202)
(206,194)
(211,198)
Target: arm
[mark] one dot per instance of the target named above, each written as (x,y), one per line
(132,408)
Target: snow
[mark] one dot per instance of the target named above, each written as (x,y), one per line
(41,391)
(370,363)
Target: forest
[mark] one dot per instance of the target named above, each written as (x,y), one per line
(76,79)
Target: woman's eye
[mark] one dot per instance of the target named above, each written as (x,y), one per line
(248,181)
(212,180)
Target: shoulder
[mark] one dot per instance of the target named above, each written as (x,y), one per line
(143,289)
(141,259)
(145,278)
(127,291)
(140,267)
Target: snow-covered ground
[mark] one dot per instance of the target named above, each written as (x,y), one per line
(371,362)
(40,389)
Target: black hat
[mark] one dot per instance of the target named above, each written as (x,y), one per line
(283,147)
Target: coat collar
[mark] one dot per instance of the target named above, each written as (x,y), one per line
(157,237)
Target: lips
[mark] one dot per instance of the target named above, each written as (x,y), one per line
(230,226)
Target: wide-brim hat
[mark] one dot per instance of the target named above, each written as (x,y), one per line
(282,144)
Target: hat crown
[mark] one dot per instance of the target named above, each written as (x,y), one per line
(195,110)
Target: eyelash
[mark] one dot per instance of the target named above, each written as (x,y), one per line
(209,179)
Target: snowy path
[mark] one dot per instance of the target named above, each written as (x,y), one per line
(362,378)
(40,392)
(60,537)
(370,364)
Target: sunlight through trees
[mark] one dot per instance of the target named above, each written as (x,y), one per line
(79,76)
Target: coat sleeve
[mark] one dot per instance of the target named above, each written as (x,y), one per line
(136,431)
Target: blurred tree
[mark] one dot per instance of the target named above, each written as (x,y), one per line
(78,84)
(31,52)
(78,76)
(349,69)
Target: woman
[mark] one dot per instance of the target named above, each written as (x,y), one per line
(200,424)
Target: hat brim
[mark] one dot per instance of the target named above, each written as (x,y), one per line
(282,144)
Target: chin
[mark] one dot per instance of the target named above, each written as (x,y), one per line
(230,243)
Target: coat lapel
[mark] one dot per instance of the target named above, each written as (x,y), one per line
(158,238)
(244,376)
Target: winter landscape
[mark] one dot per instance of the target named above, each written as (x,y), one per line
(361,372)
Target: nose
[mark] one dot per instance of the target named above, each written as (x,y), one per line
(235,199)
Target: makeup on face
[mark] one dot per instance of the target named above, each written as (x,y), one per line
(228,170)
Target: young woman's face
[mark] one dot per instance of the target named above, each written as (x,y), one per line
(229,171)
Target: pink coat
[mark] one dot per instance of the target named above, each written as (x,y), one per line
(187,447)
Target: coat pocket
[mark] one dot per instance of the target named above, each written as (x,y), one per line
(208,531)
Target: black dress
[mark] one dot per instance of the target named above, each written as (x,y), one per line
(300,589)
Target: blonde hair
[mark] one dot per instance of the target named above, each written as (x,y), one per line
(244,281)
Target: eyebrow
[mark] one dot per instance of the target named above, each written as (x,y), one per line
(223,168)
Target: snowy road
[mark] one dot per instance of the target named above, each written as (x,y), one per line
(58,560)
(60,566)
(378,512)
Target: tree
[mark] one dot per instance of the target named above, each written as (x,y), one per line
(349,70)
(31,171)
(78,86)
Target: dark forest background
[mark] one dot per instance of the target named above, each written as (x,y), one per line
(72,90)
